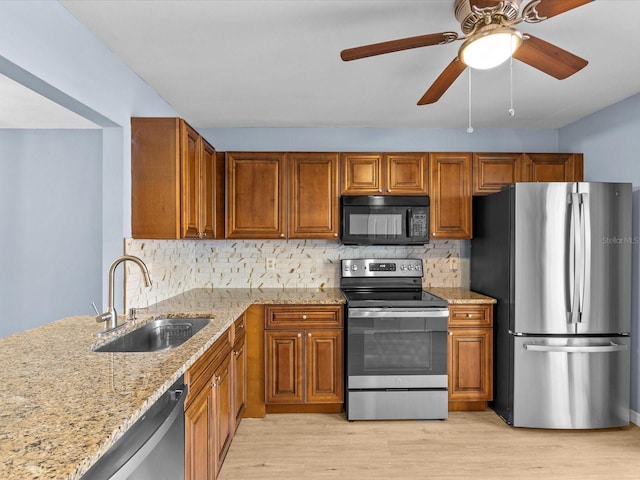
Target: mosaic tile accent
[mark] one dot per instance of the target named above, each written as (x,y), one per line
(180,265)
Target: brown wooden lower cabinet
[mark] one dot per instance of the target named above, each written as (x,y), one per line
(239,370)
(470,365)
(214,404)
(304,358)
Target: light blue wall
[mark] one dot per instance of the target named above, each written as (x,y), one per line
(45,48)
(610,141)
(50,204)
(379,140)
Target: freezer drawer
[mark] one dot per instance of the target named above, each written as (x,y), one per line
(566,382)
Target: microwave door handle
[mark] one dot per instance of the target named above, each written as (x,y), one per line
(408,222)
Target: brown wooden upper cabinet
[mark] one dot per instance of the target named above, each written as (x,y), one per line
(554,167)
(450,187)
(313,196)
(492,171)
(255,193)
(177,182)
(278,195)
(384,173)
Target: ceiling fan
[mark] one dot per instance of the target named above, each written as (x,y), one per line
(489,40)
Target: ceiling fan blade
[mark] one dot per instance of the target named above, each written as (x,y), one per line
(397,45)
(550,8)
(443,82)
(548,58)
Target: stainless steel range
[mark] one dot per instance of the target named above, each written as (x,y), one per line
(396,342)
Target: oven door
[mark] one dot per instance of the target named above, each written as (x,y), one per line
(396,348)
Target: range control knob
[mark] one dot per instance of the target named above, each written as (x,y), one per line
(418,266)
(354,267)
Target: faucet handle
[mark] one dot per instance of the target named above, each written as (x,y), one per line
(103,317)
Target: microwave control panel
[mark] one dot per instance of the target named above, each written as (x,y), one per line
(419,223)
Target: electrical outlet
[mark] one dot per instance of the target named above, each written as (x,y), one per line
(270,263)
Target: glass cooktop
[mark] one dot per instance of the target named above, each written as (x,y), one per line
(393,298)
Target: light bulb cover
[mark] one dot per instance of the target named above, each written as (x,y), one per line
(490,47)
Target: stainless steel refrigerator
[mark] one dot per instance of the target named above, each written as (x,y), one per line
(557,257)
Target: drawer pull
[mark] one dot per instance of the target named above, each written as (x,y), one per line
(309,334)
(304,317)
(299,335)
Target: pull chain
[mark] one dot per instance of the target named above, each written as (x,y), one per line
(470,128)
(512,112)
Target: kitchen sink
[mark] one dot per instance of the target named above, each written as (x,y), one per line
(160,334)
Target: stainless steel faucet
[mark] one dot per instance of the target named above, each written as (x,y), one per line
(110,316)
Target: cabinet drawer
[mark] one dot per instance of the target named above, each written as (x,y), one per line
(300,316)
(199,375)
(475,315)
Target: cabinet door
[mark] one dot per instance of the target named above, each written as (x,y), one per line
(224,417)
(450,187)
(313,195)
(207,223)
(284,383)
(553,167)
(191,145)
(200,437)
(470,364)
(255,195)
(361,173)
(239,378)
(492,171)
(155,178)
(406,173)
(324,365)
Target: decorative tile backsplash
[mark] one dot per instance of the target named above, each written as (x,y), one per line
(180,265)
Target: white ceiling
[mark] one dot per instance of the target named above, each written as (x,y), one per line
(268,63)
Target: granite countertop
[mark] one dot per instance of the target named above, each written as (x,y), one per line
(460,295)
(63,405)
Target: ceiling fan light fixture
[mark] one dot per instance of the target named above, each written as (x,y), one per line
(490,47)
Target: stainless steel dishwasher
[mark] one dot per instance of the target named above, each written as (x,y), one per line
(153,447)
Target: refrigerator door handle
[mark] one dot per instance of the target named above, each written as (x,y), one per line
(585,258)
(575,255)
(610,347)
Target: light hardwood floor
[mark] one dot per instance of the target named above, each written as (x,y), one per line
(476,445)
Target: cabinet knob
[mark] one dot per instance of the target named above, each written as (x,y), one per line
(379,190)
(469,315)
(335,235)
(299,335)
(241,325)
(214,384)
(389,190)
(304,317)
(218,378)
(309,334)
(282,235)
(204,234)
(236,353)
(450,334)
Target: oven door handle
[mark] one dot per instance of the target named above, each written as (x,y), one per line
(395,313)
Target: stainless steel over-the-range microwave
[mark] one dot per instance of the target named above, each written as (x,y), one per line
(385,220)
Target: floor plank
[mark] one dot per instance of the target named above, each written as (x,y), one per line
(476,445)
